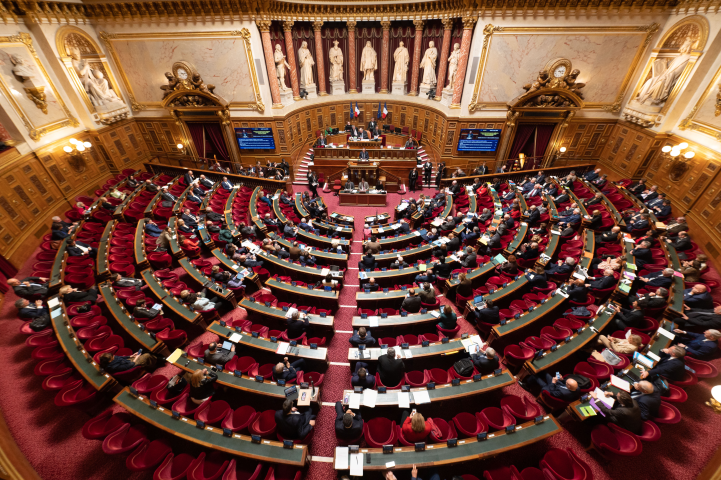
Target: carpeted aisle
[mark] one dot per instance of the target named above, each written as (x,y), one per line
(51,436)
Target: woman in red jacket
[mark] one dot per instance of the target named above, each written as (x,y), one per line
(415,428)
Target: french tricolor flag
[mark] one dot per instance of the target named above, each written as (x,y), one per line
(385,110)
(357,110)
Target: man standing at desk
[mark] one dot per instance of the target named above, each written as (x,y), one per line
(363,156)
(372,125)
(363,186)
(321,141)
(410,145)
(412,178)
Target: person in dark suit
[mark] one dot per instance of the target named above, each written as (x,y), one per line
(638,187)
(577,291)
(371,285)
(671,366)
(486,363)
(197,190)
(470,258)
(448,319)
(348,424)
(412,178)
(320,141)
(653,299)
(562,198)
(427,171)
(293,425)
(529,251)
(592,175)
(226,185)
(208,184)
(412,302)
(533,215)
(562,267)
(489,314)
(594,223)
(363,134)
(399,263)
(390,368)
(403,227)
(27,310)
(427,277)
(29,286)
(697,297)
(372,125)
(604,282)
(700,345)
(702,318)
(368,263)
(362,337)
(642,253)
(73,295)
(288,371)
(168,198)
(537,279)
(443,269)
(650,194)
(611,237)
(189,177)
(217,356)
(151,187)
(481,169)
(661,278)
(297,326)
(349,185)
(648,398)
(58,231)
(440,173)
(190,219)
(566,391)
(626,412)
(363,155)
(628,318)
(79,249)
(681,243)
(361,377)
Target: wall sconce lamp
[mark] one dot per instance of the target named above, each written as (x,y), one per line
(679,159)
(77,146)
(562,150)
(181,148)
(715,400)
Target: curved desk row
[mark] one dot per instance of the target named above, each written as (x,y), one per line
(279,315)
(102,265)
(207,282)
(167,298)
(141,258)
(326,258)
(326,298)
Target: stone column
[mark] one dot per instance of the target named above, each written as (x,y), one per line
(352,74)
(264,27)
(468,23)
(290,57)
(319,59)
(417,41)
(443,59)
(385,55)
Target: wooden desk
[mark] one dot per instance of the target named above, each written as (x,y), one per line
(141,258)
(102,266)
(433,350)
(56,273)
(363,199)
(233,267)
(169,300)
(175,249)
(207,282)
(185,428)
(278,314)
(380,219)
(327,299)
(467,449)
(322,258)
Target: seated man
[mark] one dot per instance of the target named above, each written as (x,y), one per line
(661,278)
(628,318)
(120,281)
(485,363)
(427,276)
(362,337)
(562,267)
(681,243)
(571,220)
(412,302)
(293,425)
(701,345)
(702,318)
(348,424)
(118,363)
(697,297)
(391,369)
(31,310)
(368,263)
(80,249)
(399,263)
(489,314)
(288,371)
(538,278)
(469,258)
(212,216)
(217,356)
(371,285)
(29,286)
(297,325)
(648,398)
(566,391)
(671,366)
(610,237)
(471,236)
(361,377)
(604,282)
(626,412)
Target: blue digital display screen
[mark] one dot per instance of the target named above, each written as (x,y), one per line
(479,139)
(255,138)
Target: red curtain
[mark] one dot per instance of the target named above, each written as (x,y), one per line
(215,134)
(198,136)
(543,136)
(369,32)
(303,32)
(403,32)
(330,32)
(524,133)
(8,271)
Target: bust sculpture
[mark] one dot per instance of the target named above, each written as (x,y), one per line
(453,64)
(20,69)
(401,66)
(336,63)
(306,62)
(428,64)
(368,62)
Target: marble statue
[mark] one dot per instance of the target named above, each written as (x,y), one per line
(401,67)
(280,66)
(453,64)
(306,62)
(428,64)
(20,69)
(664,76)
(93,81)
(368,62)
(336,63)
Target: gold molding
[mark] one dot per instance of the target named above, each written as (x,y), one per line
(244,33)
(689,123)
(695,54)
(489,30)
(35,131)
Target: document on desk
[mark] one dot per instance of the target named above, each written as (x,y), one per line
(653,356)
(175,356)
(666,333)
(325,272)
(404,400)
(235,338)
(435,313)
(356,465)
(369,397)
(53,302)
(420,397)
(373,321)
(341,458)
(619,383)
(354,401)
(408,353)
(609,401)
(282,348)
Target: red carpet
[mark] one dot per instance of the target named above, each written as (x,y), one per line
(50,436)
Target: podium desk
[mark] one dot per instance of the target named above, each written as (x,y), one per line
(363,199)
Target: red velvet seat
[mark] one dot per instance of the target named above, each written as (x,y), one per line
(495,418)
(614,440)
(96,345)
(650,432)
(443,432)
(52,367)
(520,407)
(240,419)
(148,456)
(677,394)
(172,338)
(703,369)
(417,378)
(162,396)
(516,355)
(438,376)
(186,407)
(242,470)
(598,371)
(174,467)
(52,352)
(213,413)
(469,425)
(45,338)
(528,473)
(688,380)
(557,334)
(389,387)
(124,439)
(148,383)
(501,473)
(208,467)
(75,394)
(99,427)
(379,431)
(264,424)
(283,472)
(667,413)
(565,465)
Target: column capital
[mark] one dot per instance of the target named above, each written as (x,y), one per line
(448,23)
(317,25)
(469,22)
(419,24)
(386,25)
(351,24)
(288,25)
(263,25)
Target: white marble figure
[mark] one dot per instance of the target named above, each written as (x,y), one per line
(280,66)
(428,64)
(368,62)
(306,63)
(657,88)
(453,64)
(401,66)
(336,63)
(20,69)
(93,81)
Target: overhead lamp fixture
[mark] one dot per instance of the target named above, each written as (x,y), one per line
(562,149)
(76,146)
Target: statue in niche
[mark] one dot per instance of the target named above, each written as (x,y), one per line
(336,63)
(25,72)
(306,62)
(280,66)
(428,64)
(664,76)
(453,64)
(401,67)
(93,81)
(541,82)
(368,62)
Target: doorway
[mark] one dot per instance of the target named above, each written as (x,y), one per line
(208,140)
(531,140)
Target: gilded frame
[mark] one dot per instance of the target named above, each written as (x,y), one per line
(689,123)
(489,30)
(244,33)
(35,131)
(67,61)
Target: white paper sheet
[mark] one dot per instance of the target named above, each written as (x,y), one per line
(235,338)
(666,333)
(404,400)
(421,397)
(373,321)
(369,398)
(390,464)
(620,383)
(341,458)
(53,302)
(609,401)
(356,465)
(408,353)
(653,356)
(282,348)
(354,401)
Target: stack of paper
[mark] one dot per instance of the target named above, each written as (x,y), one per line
(369,397)
(420,397)
(341,458)
(404,400)
(609,401)
(621,384)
